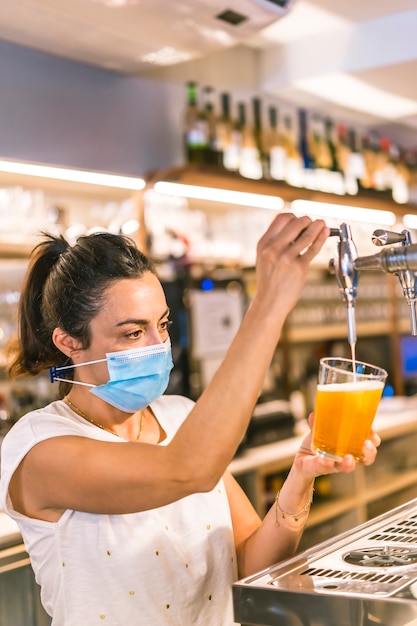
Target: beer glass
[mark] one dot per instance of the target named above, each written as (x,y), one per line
(347,397)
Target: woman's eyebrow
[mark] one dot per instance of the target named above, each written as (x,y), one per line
(142,322)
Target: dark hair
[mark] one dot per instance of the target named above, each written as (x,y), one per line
(64,288)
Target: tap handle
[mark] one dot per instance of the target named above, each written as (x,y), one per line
(382,237)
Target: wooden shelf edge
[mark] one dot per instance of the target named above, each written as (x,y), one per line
(316,333)
(211,176)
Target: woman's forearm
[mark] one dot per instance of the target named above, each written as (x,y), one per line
(279,535)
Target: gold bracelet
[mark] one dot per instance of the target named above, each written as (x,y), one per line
(295,516)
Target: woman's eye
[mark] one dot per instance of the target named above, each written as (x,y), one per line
(135,334)
(165,325)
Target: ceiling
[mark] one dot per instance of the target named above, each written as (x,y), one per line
(354,58)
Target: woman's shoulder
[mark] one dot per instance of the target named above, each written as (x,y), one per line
(53,419)
(30,429)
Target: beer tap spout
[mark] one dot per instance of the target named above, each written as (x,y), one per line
(343,266)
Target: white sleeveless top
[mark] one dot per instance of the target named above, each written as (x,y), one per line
(171,566)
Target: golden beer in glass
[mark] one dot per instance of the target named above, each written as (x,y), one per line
(347,397)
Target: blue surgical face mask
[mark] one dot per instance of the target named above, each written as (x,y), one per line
(137,377)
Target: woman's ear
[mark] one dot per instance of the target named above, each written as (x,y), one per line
(64,342)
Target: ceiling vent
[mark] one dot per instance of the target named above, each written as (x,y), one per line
(231,17)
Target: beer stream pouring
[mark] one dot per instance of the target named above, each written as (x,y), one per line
(398,260)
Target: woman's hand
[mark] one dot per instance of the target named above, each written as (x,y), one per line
(284,254)
(312,465)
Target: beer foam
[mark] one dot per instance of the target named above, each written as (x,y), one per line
(359,385)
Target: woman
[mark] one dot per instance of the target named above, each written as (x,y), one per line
(121,493)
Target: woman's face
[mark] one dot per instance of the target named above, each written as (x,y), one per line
(134,314)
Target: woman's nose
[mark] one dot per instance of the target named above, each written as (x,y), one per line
(153,336)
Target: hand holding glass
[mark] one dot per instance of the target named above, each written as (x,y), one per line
(347,397)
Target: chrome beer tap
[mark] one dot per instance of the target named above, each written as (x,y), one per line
(343,266)
(397,261)
(400,261)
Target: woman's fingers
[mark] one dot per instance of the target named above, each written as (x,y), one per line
(295,233)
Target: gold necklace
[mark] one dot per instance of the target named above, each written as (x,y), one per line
(84,416)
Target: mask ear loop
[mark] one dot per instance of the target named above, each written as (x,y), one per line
(58,368)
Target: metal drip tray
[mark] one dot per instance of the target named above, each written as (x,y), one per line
(348,572)
(365,576)
(388,556)
(360,567)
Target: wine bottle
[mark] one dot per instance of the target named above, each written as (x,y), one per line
(210,152)
(378,161)
(367,180)
(196,127)
(343,158)
(303,141)
(330,139)
(258,133)
(250,163)
(293,164)
(390,168)
(356,165)
(276,147)
(232,150)
(402,179)
(323,157)
(343,148)
(223,132)
(336,179)
(308,163)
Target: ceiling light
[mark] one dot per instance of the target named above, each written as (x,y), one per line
(220,195)
(214,34)
(72,175)
(166,56)
(343,212)
(353,93)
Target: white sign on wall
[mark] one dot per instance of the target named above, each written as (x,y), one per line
(215,318)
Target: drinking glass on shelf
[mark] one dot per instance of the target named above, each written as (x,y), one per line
(347,397)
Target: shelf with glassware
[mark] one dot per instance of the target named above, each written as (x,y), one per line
(342,501)
(37,198)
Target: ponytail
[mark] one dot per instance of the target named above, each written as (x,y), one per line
(33,348)
(64,288)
